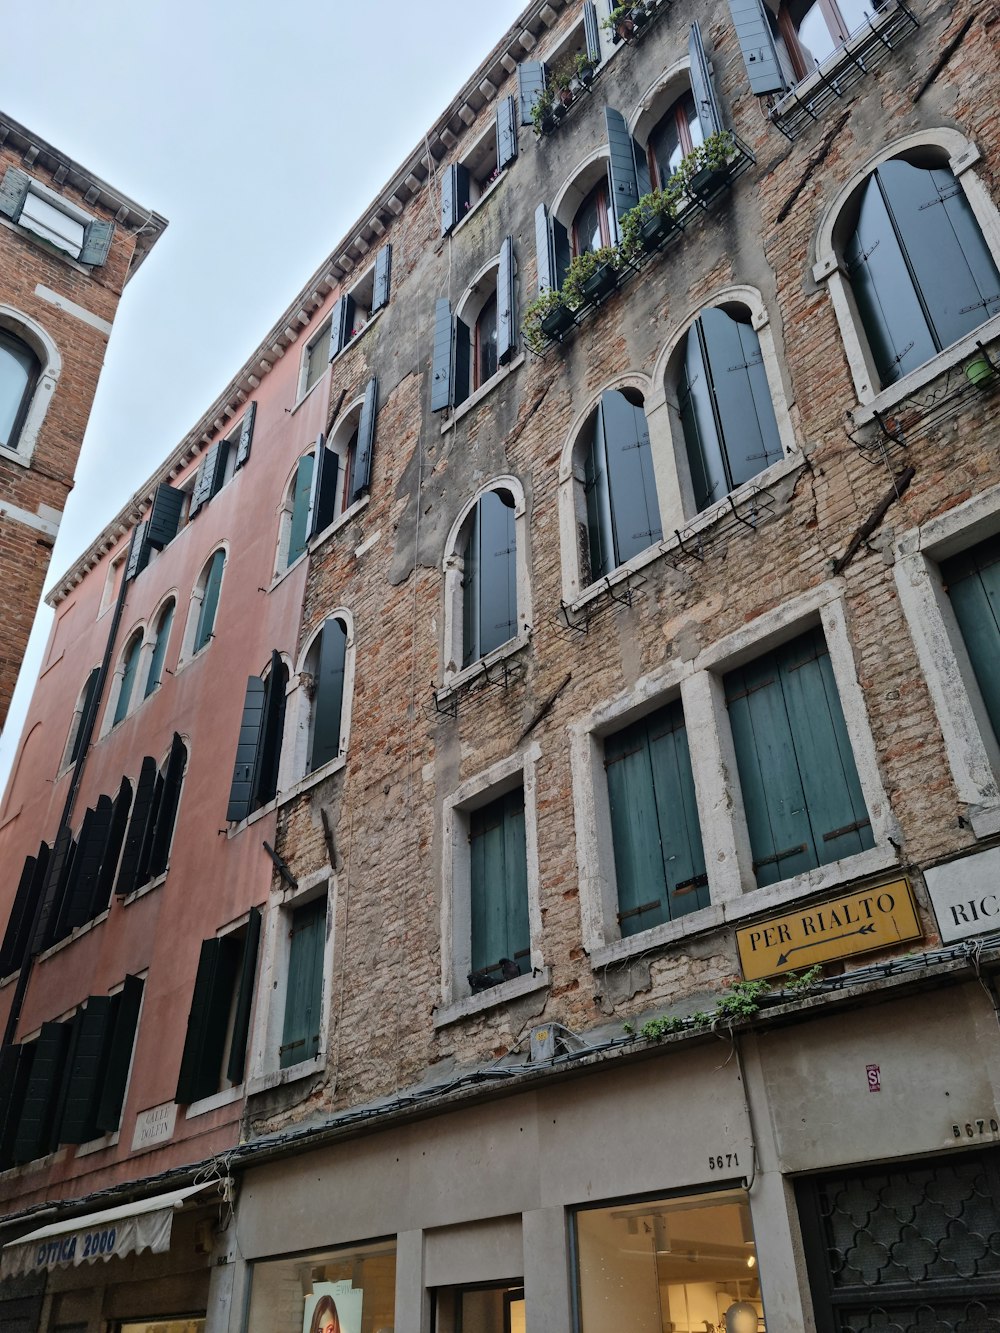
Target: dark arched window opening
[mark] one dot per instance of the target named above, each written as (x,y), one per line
(485,360)
(211,587)
(623,512)
(159,649)
(19,371)
(676,135)
(593,222)
(489,578)
(921,271)
(326,665)
(725,403)
(130,667)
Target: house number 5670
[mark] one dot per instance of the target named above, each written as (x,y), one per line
(723,1161)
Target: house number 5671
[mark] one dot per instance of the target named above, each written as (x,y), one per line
(723,1161)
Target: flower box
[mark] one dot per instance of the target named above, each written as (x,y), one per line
(600,284)
(558,322)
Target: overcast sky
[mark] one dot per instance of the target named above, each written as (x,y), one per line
(261,131)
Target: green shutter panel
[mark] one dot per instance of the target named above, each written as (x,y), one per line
(341,324)
(757,46)
(498,887)
(362,477)
(383,278)
(442,365)
(265,776)
(597,492)
(29,888)
(210,601)
(142,874)
(246,435)
(299,528)
(142,813)
(13,192)
(562,251)
(973,583)
(34,1129)
(677,812)
(73,1026)
(115,1083)
(89,1059)
(155,674)
(471,587)
(635,833)
(506,304)
(56,874)
(244,1000)
(515,859)
(201,1064)
(247,750)
(304,997)
(113,847)
(531,80)
(545,257)
(621,163)
(15,1070)
(209,478)
(97,237)
(462,369)
(506,132)
(705,100)
(166,816)
(454,197)
(323,498)
(138,551)
(592,31)
(328,699)
(164,516)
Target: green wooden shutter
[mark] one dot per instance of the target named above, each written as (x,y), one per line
(499,886)
(304,994)
(13,192)
(383,278)
(531,80)
(442,367)
(247,750)
(15,1071)
(128,680)
(506,132)
(204,1046)
(123,1029)
(164,516)
(86,1069)
(209,477)
(328,700)
(705,100)
(166,815)
(361,478)
(138,551)
(973,583)
(461,378)
(298,536)
(159,654)
(454,196)
(506,304)
(265,777)
(209,601)
(597,493)
(142,874)
(621,163)
(244,1000)
(34,1129)
(592,31)
(544,258)
(97,238)
(141,817)
(341,324)
(757,46)
(323,497)
(113,848)
(471,620)
(246,435)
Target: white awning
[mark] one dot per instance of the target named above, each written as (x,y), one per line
(128,1229)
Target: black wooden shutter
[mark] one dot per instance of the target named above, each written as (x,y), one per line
(35,1126)
(13,192)
(209,478)
(15,940)
(506,132)
(341,323)
(91,847)
(138,551)
(383,278)
(59,1100)
(204,1045)
(454,196)
(88,706)
(757,45)
(96,242)
(621,163)
(246,435)
(362,478)
(530,83)
(164,516)
(15,1070)
(166,816)
(85,1071)
(592,30)
(115,1082)
(323,498)
(265,777)
(113,848)
(328,701)
(244,1000)
(137,825)
(247,750)
(544,251)
(506,321)
(705,100)
(441,383)
(55,882)
(461,374)
(142,871)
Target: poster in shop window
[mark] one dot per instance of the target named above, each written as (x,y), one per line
(333,1307)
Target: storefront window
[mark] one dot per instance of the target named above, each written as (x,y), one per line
(162,1326)
(676,1265)
(497,1308)
(335,1291)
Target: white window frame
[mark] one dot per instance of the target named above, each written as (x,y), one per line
(263,1069)
(197,596)
(62,205)
(734,894)
(517,770)
(285,512)
(970,744)
(29,331)
(830,269)
(74,727)
(453,629)
(322,334)
(292,776)
(347,423)
(118,675)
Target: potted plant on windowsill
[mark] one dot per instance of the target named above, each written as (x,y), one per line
(592,277)
(542,112)
(653,221)
(562,84)
(548,317)
(620,23)
(584,68)
(707,168)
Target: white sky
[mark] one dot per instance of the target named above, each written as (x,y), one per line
(261,133)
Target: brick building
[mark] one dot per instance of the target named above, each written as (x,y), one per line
(584,916)
(68,244)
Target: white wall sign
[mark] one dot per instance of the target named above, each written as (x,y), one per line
(966,895)
(154,1126)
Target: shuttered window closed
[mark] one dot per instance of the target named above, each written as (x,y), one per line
(501,935)
(304,992)
(973,583)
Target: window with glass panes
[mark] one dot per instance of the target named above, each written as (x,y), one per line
(498,866)
(489,577)
(19,369)
(676,135)
(593,223)
(813,29)
(801,792)
(973,583)
(130,665)
(326,663)
(317,357)
(159,654)
(485,358)
(623,514)
(211,588)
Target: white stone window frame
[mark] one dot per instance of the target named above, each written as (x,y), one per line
(304,389)
(659,97)
(587,173)
(264,1069)
(22,326)
(830,268)
(347,423)
(293,779)
(109,1140)
(187,654)
(734,894)
(517,770)
(149,646)
(74,727)
(970,742)
(117,561)
(453,630)
(286,509)
(468,310)
(141,629)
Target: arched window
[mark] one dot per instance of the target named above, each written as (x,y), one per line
(594,221)
(126,683)
(623,516)
(19,371)
(86,701)
(675,135)
(922,274)
(489,576)
(326,663)
(293,538)
(206,598)
(484,361)
(258,749)
(163,626)
(730,429)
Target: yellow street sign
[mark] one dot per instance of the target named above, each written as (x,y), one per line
(873,919)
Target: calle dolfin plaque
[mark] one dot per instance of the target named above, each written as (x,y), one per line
(872,919)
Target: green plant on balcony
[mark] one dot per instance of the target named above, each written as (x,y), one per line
(620,22)
(647,226)
(541,110)
(592,275)
(707,167)
(547,316)
(584,67)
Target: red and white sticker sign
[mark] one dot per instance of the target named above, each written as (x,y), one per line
(874,1078)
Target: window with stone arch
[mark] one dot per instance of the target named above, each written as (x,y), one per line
(910,251)
(30,365)
(204,605)
(669,126)
(317,720)
(123,689)
(487,598)
(162,623)
(479,322)
(294,515)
